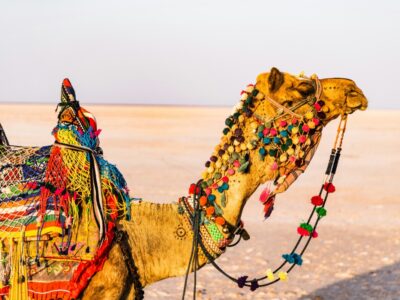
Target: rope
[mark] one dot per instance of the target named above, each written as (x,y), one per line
(329,175)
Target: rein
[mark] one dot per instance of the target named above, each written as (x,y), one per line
(307,230)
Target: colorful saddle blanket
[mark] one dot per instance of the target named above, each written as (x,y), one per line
(58,208)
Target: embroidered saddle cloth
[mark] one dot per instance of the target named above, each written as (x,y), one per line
(58,208)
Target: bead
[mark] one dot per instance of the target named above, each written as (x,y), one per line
(274,166)
(316,121)
(241,119)
(225,179)
(207,164)
(231,149)
(284,147)
(282,123)
(289,142)
(292,158)
(221,152)
(225,186)
(273,132)
(277,140)
(243,147)
(325,109)
(207,191)
(294,121)
(244,96)
(237,149)
(254,125)
(260,96)
(317,107)
(295,140)
(213,158)
(321,211)
(225,230)
(225,131)
(249,88)
(250,146)
(225,157)
(238,132)
(295,130)
(231,172)
(218,164)
(290,151)
(210,169)
(260,134)
(262,151)
(321,115)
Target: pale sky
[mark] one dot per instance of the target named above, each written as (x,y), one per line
(192,52)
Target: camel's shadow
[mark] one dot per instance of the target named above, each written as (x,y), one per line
(382,284)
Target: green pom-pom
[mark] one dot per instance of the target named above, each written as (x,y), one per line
(272,152)
(254,92)
(225,131)
(321,211)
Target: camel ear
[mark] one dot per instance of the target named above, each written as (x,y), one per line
(67,92)
(275,80)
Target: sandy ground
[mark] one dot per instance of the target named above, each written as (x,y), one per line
(161,150)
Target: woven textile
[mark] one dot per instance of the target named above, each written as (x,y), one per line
(58,207)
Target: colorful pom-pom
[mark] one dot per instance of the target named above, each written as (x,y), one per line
(329,187)
(317,200)
(321,211)
(254,285)
(270,275)
(283,276)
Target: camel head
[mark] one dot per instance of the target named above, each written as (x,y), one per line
(341,96)
(75,125)
(338,95)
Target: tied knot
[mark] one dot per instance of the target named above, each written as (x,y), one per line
(241,281)
(254,285)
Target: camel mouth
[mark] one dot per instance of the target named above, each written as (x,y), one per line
(353,104)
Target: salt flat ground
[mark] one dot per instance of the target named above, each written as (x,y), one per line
(161,150)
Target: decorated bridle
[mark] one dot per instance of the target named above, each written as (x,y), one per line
(194,206)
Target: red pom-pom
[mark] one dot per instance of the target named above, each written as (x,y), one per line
(317,200)
(192,189)
(302,231)
(314,234)
(225,179)
(329,187)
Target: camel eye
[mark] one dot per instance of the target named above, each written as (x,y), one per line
(352,94)
(305,88)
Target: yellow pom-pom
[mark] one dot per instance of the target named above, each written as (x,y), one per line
(250,146)
(254,125)
(244,96)
(241,119)
(283,157)
(309,115)
(311,124)
(283,276)
(243,147)
(210,169)
(290,151)
(231,149)
(225,157)
(295,140)
(218,164)
(236,142)
(295,130)
(270,275)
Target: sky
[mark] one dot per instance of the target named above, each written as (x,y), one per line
(192,52)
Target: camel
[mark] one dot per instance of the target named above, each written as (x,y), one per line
(254,149)
(159,234)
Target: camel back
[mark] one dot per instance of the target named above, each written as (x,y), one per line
(58,208)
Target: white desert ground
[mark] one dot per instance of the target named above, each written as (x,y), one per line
(161,150)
